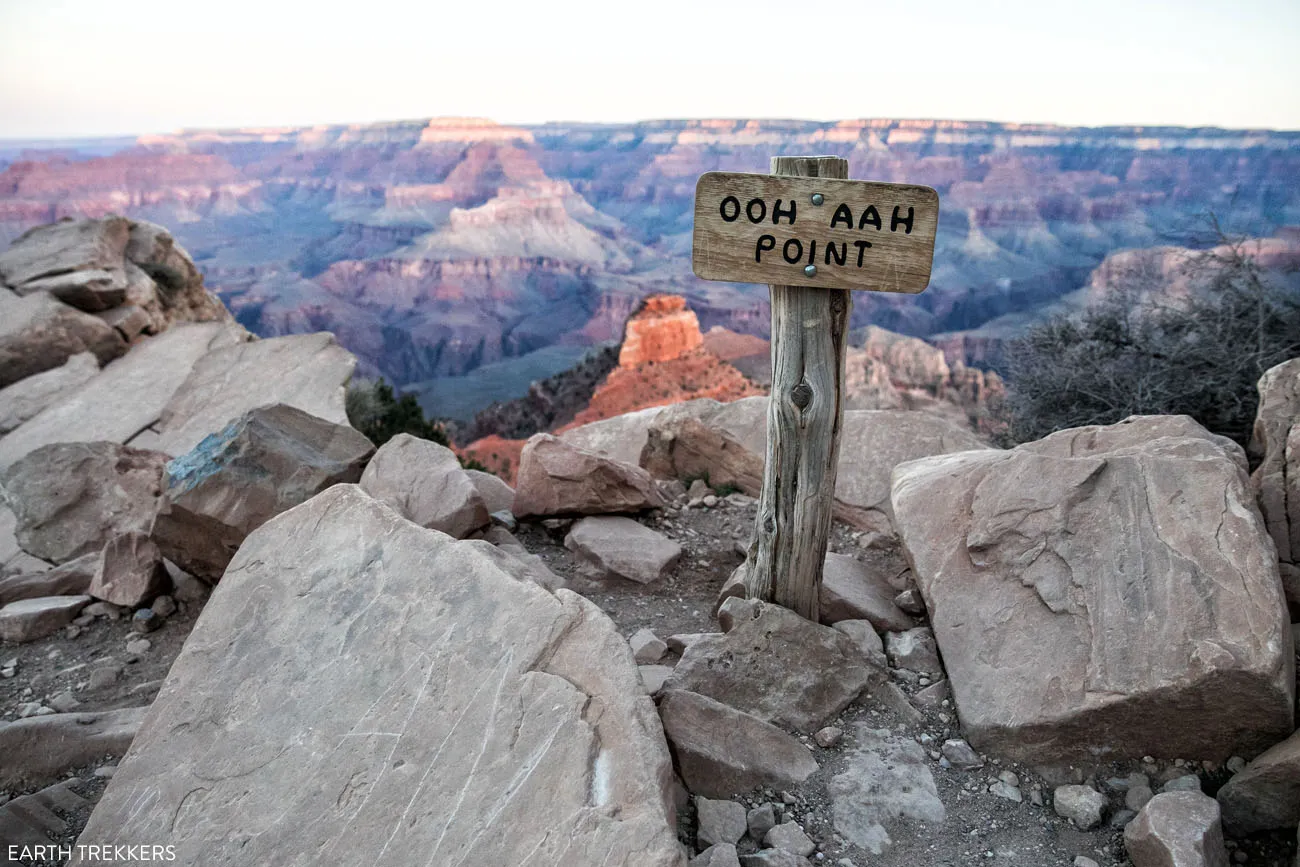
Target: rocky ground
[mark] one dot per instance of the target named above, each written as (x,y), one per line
(996,813)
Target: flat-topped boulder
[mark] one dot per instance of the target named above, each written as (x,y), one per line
(305,371)
(556,478)
(70,499)
(30,619)
(622,548)
(1103,592)
(424,482)
(1265,795)
(620,438)
(443,709)
(261,464)
(81,262)
(42,749)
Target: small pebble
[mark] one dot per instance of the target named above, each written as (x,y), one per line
(145,620)
(828,737)
(137,646)
(164,606)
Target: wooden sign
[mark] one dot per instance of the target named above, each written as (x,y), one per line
(820,232)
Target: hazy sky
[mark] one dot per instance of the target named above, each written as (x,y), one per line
(90,67)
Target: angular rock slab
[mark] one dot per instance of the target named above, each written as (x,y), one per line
(556,478)
(721,751)
(26,398)
(779,667)
(41,749)
(40,332)
(851,591)
(1266,795)
(369,686)
(424,482)
(620,438)
(262,464)
(129,571)
(623,548)
(887,781)
(127,396)
(305,371)
(30,619)
(1106,591)
(497,495)
(1274,481)
(1177,829)
(71,579)
(72,498)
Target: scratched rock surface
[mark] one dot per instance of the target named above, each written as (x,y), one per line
(363,690)
(1106,591)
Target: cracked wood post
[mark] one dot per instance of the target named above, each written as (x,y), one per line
(804,417)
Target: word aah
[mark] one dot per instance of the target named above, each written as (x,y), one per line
(792,251)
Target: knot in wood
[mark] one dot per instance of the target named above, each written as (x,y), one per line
(837,303)
(801,395)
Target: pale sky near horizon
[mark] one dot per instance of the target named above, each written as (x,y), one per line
(71,68)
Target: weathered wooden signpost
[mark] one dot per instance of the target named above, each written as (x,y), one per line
(812,235)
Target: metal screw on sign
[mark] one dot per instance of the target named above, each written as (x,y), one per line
(817,199)
(810,270)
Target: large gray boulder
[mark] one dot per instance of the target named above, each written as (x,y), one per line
(263,463)
(40,332)
(27,397)
(851,591)
(1276,442)
(127,397)
(885,784)
(306,371)
(1106,591)
(556,478)
(778,667)
(442,710)
(1266,795)
(425,483)
(71,498)
(30,619)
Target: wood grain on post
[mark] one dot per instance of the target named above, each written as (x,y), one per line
(805,413)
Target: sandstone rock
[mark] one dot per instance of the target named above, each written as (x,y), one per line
(663,329)
(130,571)
(1266,795)
(1079,555)
(424,482)
(872,443)
(444,709)
(850,591)
(934,695)
(865,638)
(737,609)
(718,821)
(732,588)
(721,751)
(887,782)
(27,397)
(1179,829)
(71,498)
(179,283)
(960,755)
(269,460)
(623,548)
(40,333)
(556,478)
(620,438)
(306,371)
(774,858)
(695,439)
(653,677)
(35,819)
(720,855)
(1082,805)
(914,650)
(126,397)
(647,648)
(789,837)
(79,261)
(40,749)
(497,495)
(778,667)
(760,820)
(1276,442)
(128,320)
(533,568)
(30,619)
(71,579)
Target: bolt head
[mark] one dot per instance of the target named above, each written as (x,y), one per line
(817,199)
(810,270)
